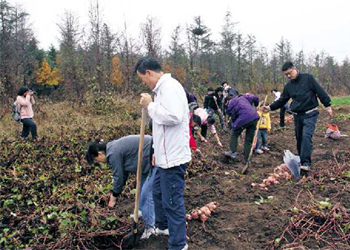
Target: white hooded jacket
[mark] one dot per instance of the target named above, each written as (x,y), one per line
(170,114)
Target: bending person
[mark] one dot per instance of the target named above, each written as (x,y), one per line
(122,156)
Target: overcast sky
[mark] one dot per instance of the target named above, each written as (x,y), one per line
(311,25)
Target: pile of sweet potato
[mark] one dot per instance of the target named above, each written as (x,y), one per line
(203,213)
(280,173)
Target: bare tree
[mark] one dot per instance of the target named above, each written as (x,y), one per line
(227,56)
(151,37)
(127,50)
(19,53)
(71,60)
(251,55)
(95,43)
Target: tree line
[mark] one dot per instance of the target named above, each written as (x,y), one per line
(96,58)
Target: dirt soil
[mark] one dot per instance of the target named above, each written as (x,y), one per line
(245,217)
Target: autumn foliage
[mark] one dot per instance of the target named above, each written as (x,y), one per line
(116,78)
(47,76)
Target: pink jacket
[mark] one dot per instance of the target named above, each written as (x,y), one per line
(25,106)
(204,118)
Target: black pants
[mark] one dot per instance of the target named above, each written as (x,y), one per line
(204,129)
(282,113)
(304,131)
(28,126)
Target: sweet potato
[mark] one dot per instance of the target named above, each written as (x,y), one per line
(194,214)
(205,210)
(203,217)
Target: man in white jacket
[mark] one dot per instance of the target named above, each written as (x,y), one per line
(170,116)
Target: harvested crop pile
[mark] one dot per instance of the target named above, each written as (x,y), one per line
(203,213)
(280,173)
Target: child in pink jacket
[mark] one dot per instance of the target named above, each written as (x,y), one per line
(25,101)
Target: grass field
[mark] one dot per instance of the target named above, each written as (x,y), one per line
(341,100)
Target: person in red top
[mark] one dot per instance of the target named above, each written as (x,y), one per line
(25,101)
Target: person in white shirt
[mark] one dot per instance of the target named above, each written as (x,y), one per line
(170,118)
(283,110)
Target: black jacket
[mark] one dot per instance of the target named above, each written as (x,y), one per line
(304,91)
(210,103)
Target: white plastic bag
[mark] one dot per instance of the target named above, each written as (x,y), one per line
(293,163)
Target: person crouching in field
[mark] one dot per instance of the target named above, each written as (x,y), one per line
(244,117)
(25,101)
(202,119)
(122,155)
(264,129)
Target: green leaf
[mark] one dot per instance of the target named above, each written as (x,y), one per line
(52,216)
(65,222)
(8,202)
(83,213)
(111,218)
(346,227)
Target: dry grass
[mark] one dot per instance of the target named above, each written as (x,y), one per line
(60,119)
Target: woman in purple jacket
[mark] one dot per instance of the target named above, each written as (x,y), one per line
(244,116)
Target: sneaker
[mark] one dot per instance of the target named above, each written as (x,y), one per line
(185,247)
(231,154)
(305,168)
(259,151)
(147,233)
(304,171)
(132,215)
(161,232)
(265,148)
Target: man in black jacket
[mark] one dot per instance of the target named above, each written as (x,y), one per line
(304,91)
(208,99)
(213,104)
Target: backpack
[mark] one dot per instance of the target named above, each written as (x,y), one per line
(192,106)
(16,112)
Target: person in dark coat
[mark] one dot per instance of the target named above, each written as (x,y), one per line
(219,95)
(304,91)
(208,99)
(244,117)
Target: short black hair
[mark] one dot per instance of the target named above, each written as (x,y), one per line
(22,90)
(274,89)
(94,147)
(147,63)
(287,65)
(219,89)
(196,119)
(211,120)
(210,89)
(222,84)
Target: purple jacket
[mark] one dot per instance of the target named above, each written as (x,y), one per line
(242,111)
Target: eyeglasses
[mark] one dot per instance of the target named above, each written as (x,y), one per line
(288,72)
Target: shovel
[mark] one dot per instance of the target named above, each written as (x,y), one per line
(131,240)
(254,140)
